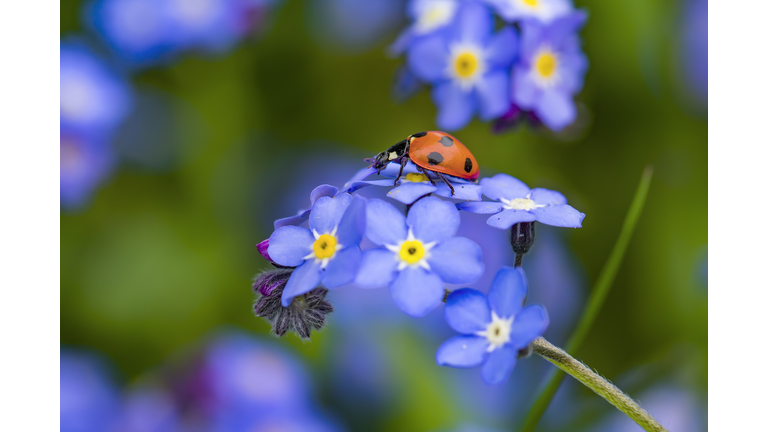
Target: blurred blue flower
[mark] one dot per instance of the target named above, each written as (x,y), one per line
(515,203)
(494,327)
(93,98)
(414,185)
(148,408)
(327,252)
(210,25)
(88,397)
(468,65)
(419,253)
(541,10)
(86,160)
(138,31)
(551,69)
(303,215)
(695,43)
(353,25)
(429,17)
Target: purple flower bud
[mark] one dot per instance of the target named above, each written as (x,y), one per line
(262,248)
(305,313)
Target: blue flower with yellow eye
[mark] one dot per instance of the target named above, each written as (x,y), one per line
(468,65)
(418,253)
(415,184)
(494,327)
(542,10)
(328,252)
(551,69)
(514,202)
(303,215)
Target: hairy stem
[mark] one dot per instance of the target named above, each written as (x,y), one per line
(518,260)
(598,384)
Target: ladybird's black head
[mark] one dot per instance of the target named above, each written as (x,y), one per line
(382,159)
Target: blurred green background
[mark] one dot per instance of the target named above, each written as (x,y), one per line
(165,252)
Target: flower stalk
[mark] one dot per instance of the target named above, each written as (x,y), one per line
(597,383)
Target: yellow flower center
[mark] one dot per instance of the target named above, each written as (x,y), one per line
(325,246)
(416,177)
(532,3)
(546,64)
(466,65)
(412,251)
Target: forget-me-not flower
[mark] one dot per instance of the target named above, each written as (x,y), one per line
(494,327)
(429,17)
(542,10)
(514,203)
(468,65)
(93,98)
(90,400)
(419,253)
(551,69)
(303,215)
(327,252)
(414,184)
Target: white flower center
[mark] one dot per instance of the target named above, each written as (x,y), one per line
(434,14)
(466,64)
(324,247)
(411,252)
(526,204)
(498,331)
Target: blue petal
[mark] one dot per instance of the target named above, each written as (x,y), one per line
(503,186)
(393,169)
(455,106)
(502,50)
(352,225)
(321,191)
(561,29)
(377,268)
(433,219)
(457,260)
(474,23)
(427,58)
(547,197)
(499,365)
(416,291)
(525,92)
(493,93)
(304,279)
(467,311)
(327,212)
(508,291)
(342,268)
(384,223)
(292,220)
(358,177)
(462,351)
(289,245)
(560,216)
(465,191)
(409,192)
(507,218)
(529,324)
(555,109)
(401,43)
(484,207)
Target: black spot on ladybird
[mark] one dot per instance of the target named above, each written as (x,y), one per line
(446,141)
(435,158)
(468,165)
(418,135)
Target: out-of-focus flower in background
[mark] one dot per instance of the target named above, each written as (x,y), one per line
(468,67)
(90,399)
(694,34)
(93,98)
(352,25)
(542,10)
(551,69)
(428,17)
(86,160)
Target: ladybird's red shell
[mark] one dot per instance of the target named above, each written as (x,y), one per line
(442,152)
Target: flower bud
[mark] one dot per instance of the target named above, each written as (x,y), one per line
(521,237)
(306,312)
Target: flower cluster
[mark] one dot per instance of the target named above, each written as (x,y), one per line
(533,64)
(416,254)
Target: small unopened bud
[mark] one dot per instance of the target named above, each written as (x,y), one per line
(305,313)
(521,237)
(262,248)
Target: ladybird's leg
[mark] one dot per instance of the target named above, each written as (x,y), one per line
(426,173)
(453,192)
(403,162)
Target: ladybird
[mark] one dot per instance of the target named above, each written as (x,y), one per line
(437,152)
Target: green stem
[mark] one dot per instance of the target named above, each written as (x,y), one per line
(598,384)
(599,293)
